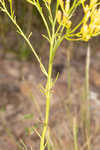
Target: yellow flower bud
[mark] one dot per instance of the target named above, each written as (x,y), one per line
(66,22)
(86,8)
(65,19)
(85,32)
(67,5)
(61,3)
(84,29)
(69,23)
(92,3)
(58,16)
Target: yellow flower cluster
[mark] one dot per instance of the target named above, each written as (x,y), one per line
(91,21)
(62,15)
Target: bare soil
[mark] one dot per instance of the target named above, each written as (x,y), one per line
(21,83)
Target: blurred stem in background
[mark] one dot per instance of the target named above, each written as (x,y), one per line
(24,54)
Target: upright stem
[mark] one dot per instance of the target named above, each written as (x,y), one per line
(87,71)
(87,97)
(48,96)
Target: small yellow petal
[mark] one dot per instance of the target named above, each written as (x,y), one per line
(59,15)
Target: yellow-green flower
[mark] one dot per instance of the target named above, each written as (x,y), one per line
(91,21)
(58,16)
(92,3)
(63,15)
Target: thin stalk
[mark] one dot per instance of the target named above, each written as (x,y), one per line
(87,95)
(69,72)
(75,134)
(37,5)
(48,92)
(26,39)
(48,96)
(44,20)
(10,1)
(87,71)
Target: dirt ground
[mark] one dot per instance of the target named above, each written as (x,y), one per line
(20,84)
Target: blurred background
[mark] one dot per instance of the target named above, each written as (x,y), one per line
(21,80)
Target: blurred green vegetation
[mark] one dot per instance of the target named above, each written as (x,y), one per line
(30,21)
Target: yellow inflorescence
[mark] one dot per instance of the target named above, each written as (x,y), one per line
(91,22)
(62,15)
(93,2)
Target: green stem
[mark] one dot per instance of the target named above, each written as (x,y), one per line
(11,7)
(27,40)
(87,71)
(44,20)
(48,96)
(87,96)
